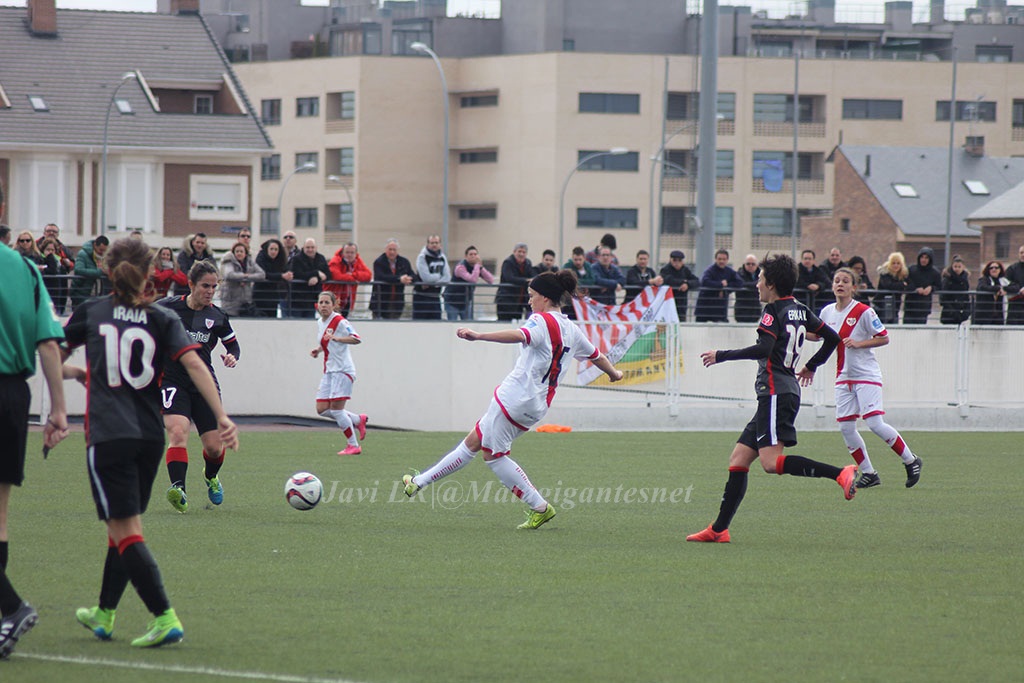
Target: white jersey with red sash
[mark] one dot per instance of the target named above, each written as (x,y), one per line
(527,391)
(858,322)
(337,356)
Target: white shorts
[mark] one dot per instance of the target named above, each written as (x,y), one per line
(497,430)
(858,400)
(334,386)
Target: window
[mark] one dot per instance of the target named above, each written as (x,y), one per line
(38,103)
(993,53)
(307,106)
(972,110)
(478,213)
(724,163)
(976,187)
(905,190)
(484,156)
(338,218)
(241,23)
(606,218)
(568,45)
(680,162)
(218,197)
(677,220)
(404,34)
(609,103)
(773,222)
(779,108)
(685,106)
(723,220)
(478,101)
(1018,113)
(123,106)
(270,167)
(347,161)
(805,164)
(269,223)
(203,104)
(348,105)
(844,225)
(609,162)
(307,217)
(270,112)
(373,41)
(873,109)
(303,158)
(1002,244)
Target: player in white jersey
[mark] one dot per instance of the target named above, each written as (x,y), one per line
(859,379)
(334,337)
(548,339)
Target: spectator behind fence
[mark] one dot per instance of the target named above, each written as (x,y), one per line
(923,278)
(892,283)
(954,298)
(458,298)
(713,299)
(89,270)
(641,275)
(811,282)
(26,246)
(5,235)
(267,293)
(829,267)
(608,240)
(748,301)
(239,272)
(512,299)
(67,264)
(681,279)
(346,270)
(195,248)
(1014,293)
(578,264)
(53,273)
(988,306)
(859,266)
(432,270)
(608,279)
(548,263)
(166,272)
(311,272)
(391,273)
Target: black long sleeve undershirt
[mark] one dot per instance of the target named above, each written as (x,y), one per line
(765,341)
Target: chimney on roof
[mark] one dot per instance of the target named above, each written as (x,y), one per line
(42,17)
(184,7)
(975,145)
(937,12)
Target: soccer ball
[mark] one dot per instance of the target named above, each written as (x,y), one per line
(303,491)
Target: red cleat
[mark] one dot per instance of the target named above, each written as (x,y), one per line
(350,450)
(709,535)
(362,426)
(846,480)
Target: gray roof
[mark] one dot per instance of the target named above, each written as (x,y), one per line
(77,70)
(926,168)
(1009,205)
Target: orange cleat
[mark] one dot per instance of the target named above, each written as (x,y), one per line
(846,480)
(709,535)
(350,450)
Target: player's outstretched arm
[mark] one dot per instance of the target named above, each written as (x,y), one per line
(605,365)
(203,381)
(515,336)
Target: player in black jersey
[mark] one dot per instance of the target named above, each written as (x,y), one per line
(780,338)
(127,342)
(206,324)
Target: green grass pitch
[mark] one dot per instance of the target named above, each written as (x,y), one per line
(896,585)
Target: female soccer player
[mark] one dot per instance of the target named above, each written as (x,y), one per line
(523,397)
(126,342)
(859,379)
(182,401)
(335,335)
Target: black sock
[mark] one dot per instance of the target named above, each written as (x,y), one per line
(735,489)
(212,464)
(177,470)
(3,555)
(115,580)
(10,601)
(799,466)
(145,576)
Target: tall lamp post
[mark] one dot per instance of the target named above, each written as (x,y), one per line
(338,181)
(308,166)
(614,151)
(662,163)
(128,76)
(422,47)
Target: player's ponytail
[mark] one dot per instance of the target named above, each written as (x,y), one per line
(568,279)
(128,262)
(555,286)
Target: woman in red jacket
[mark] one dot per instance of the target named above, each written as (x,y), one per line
(347,269)
(166,272)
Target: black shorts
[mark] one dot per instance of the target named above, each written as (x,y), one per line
(121,474)
(14,404)
(186,400)
(774,423)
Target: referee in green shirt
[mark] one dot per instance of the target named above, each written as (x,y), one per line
(27,324)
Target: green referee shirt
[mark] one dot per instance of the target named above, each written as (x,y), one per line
(23,322)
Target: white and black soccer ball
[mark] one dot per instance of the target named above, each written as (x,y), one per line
(303,491)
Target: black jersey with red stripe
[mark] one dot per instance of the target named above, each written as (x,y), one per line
(787,321)
(206,327)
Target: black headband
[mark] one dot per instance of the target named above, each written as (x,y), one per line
(547,285)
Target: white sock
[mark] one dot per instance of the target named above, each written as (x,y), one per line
(354,417)
(345,422)
(888,434)
(453,462)
(855,444)
(516,481)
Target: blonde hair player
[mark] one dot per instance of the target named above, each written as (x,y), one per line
(548,338)
(334,337)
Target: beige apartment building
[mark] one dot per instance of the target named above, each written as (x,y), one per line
(373,127)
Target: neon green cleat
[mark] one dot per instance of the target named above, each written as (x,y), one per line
(534,519)
(164,630)
(411,487)
(99,621)
(177,498)
(215,490)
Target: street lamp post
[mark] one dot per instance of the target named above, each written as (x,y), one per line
(131,75)
(655,209)
(422,47)
(614,151)
(337,180)
(308,166)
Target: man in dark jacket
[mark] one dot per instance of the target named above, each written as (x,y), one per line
(391,273)
(924,279)
(811,282)
(677,275)
(713,299)
(194,249)
(641,275)
(431,270)
(513,299)
(608,279)
(89,270)
(311,272)
(748,301)
(1015,291)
